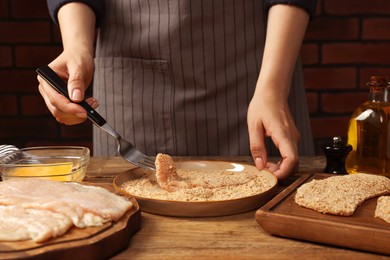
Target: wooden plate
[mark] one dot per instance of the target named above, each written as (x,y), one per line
(362,231)
(88,243)
(201,208)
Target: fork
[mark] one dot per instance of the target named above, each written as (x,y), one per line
(125,148)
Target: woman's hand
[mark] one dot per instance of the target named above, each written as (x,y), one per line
(270,117)
(74,65)
(77,70)
(268,112)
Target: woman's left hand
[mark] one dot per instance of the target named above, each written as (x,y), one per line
(268,112)
(269,117)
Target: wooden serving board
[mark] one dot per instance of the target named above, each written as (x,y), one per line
(88,243)
(283,217)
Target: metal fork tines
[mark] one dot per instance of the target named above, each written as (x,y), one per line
(129,152)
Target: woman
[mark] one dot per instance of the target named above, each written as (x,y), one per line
(188,77)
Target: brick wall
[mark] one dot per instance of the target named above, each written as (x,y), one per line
(348,41)
(28,39)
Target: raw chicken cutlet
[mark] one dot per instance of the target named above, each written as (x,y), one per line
(170,178)
(53,207)
(17,223)
(166,174)
(84,205)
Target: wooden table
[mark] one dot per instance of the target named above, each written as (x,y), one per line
(231,237)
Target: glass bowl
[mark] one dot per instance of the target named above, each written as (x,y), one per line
(60,163)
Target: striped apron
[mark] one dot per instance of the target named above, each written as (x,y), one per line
(176,76)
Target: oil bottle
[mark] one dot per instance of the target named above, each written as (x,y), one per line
(369,132)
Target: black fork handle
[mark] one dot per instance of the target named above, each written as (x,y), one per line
(58,84)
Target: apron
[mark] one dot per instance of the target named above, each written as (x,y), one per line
(176,76)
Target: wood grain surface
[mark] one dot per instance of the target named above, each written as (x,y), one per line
(282,216)
(230,237)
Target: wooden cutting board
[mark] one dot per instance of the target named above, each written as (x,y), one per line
(89,243)
(283,217)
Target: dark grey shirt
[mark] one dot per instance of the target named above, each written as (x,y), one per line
(97,6)
(176,76)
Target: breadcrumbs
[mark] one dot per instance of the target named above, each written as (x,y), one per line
(341,195)
(203,185)
(383,208)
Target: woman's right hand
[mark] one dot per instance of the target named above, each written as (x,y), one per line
(74,65)
(77,71)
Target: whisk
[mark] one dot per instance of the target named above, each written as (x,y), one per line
(8,153)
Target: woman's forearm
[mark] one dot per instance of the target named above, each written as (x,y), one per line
(285,31)
(77,24)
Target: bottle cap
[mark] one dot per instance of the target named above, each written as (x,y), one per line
(378,81)
(338,145)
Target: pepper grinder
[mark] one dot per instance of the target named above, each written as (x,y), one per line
(336,153)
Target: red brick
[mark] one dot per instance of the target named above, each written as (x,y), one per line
(34,105)
(83,130)
(312,102)
(9,105)
(356,53)
(328,127)
(3,8)
(351,7)
(333,29)
(319,8)
(18,81)
(27,128)
(330,78)
(366,73)
(309,54)
(6,56)
(376,28)
(35,56)
(30,9)
(342,102)
(338,59)
(24,32)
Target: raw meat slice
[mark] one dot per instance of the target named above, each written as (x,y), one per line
(166,175)
(170,178)
(84,205)
(17,223)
